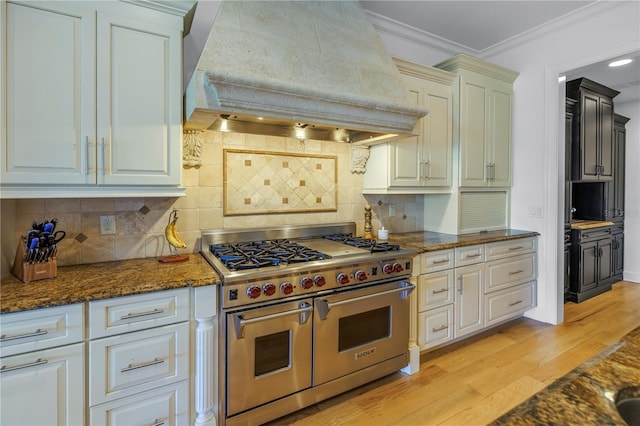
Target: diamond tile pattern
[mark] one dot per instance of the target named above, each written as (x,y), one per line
(258,182)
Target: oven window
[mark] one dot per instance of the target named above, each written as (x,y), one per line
(272,353)
(366,327)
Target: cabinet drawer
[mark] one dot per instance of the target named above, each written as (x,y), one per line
(469,255)
(166,406)
(40,329)
(511,248)
(122,365)
(436,261)
(509,303)
(507,272)
(435,326)
(132,313)
(435,289)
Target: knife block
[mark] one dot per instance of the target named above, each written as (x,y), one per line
(28,272)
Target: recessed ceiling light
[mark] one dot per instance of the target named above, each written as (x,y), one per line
(620,62)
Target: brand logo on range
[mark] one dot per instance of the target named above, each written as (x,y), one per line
(366,353)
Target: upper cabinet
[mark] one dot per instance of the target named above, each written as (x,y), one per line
(592,149)
(92,101)
(420,163)
(614,190)
(482,120)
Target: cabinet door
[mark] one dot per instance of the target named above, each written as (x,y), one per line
(618,172)
(499,155)
(139,102)
(589,130)
(567,269)
(588,277)
(405,162)
(438,134)
(468,299)
(48,136)
(606,139)
(618,255)
(473,133)
(43,388)
(605,261)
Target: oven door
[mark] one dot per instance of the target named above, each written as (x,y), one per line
(359,328)
(268,353)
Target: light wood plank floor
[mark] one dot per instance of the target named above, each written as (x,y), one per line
(475,381)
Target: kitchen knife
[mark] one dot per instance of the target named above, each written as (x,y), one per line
(33,249)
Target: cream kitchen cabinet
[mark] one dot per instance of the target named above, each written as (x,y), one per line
(420,163)
(482,121)
(469,282)
(435,299)
(42,374)
(91,102)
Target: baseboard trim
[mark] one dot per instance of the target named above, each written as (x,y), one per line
(634,277)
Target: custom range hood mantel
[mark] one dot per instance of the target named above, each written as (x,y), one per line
(303,69)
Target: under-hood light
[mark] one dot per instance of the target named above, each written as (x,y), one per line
(620,62)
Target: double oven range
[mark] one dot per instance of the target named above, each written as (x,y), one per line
(306,313)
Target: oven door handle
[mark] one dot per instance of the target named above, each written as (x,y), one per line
(239,321)
(324,306)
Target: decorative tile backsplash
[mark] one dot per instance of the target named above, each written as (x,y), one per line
(259,182)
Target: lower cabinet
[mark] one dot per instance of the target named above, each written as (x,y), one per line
(617,245)
(43,388)
(591,263)
(465,290)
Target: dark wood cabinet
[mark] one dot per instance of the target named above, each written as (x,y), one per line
(614,190)
(567,264)
(570,107)
(592,136)
(617,245)
(591,263)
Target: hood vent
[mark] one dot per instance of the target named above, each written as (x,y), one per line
(303,69)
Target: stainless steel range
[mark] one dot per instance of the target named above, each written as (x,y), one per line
(307,312)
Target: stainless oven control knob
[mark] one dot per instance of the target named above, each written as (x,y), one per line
(319,280)
(387,268)
(269,289)
(306,283)
(254,292)
(342,278)
(286,288)
(360,275)
(397,267)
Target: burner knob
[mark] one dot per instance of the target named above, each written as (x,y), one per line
(306,283)
(387,268)
(286,288)
(254,292)
(397,267)
(319,280)
(342,278)
(360,275)
(269,289)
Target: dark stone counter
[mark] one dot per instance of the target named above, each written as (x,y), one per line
(432,241)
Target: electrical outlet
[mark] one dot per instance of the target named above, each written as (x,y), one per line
(535,212)
(392,210)
(107,225)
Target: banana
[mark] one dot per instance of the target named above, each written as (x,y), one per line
(171,231)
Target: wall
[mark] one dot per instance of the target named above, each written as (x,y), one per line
(140,222)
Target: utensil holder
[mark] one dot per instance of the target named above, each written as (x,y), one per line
(28,272)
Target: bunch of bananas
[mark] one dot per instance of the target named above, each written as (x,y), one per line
(171,233)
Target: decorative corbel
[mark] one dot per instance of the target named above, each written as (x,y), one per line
(359,157)
(192,141)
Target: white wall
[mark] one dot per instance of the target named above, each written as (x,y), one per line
(594,34)
(632,192)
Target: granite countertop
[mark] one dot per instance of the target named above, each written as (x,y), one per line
(589,224)
(96,281)
(588,394)
(432,241)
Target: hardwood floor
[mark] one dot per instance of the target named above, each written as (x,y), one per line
(475,381)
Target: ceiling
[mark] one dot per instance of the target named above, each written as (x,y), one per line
(479,25)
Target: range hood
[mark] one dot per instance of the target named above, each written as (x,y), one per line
(303,69)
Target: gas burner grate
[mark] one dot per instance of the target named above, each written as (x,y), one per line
(365,243)
(258,254)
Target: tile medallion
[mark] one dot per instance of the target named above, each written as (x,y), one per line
(260,182)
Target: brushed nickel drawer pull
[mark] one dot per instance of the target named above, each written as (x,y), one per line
(516,272)
(471,256)
(38,332)
(442,327)
(142,314)
(131,367)
(442,290)
(516,248)
(35,363)
(157,422)
(438,262)
(515,303)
